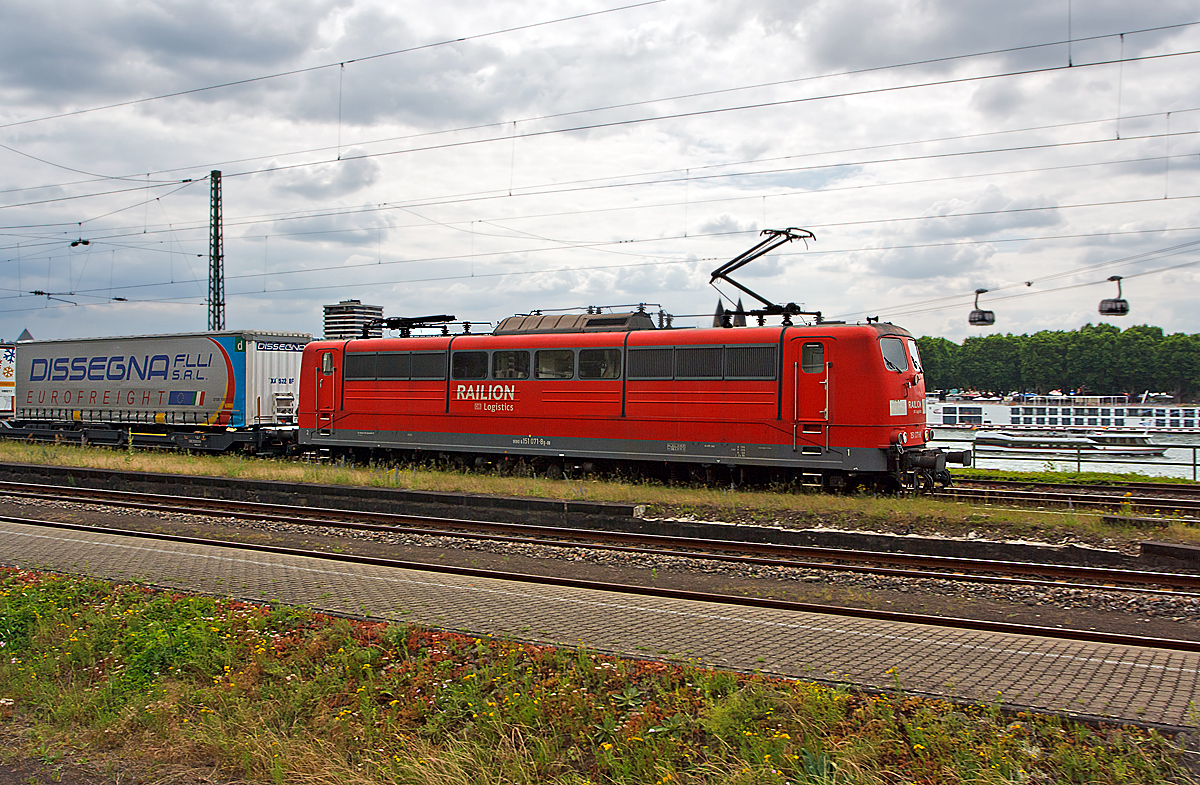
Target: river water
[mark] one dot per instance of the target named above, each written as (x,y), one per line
(1180,459)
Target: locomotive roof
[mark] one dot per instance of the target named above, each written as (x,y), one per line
(574,323)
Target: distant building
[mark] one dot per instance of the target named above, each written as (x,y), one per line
(347,319)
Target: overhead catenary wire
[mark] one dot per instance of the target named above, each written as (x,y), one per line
(510,138)
(702,113)
(520,273)
(951,301)
(532,191)
(571,243)
(963,298)
(340,63)
(625,105)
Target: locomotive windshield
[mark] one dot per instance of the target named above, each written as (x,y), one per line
(894,356)
(916,356)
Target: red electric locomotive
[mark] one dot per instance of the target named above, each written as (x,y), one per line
(828,403)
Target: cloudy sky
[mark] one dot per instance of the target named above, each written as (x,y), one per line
(488,159)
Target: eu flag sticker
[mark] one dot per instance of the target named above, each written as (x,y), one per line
(182,398)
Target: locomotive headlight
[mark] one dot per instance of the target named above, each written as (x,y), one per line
(928,434)
(900,437)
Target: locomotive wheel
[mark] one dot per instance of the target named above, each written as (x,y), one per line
(554,471)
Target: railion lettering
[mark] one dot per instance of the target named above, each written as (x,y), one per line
(485,392)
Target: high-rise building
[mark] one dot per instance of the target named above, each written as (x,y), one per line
(347,319)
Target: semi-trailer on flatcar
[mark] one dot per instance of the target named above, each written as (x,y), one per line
(204,391)
(8,380)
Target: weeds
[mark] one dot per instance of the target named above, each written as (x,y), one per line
(277,694)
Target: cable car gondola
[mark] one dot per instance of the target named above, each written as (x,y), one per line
(1115,306)
(980,318)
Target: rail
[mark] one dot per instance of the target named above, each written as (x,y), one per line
(765,554)
(1079,459)
(1093,636)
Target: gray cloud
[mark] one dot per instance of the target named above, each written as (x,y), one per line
(288,133)
(329,181)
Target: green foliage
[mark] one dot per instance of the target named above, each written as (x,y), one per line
(1096,359)
(276,694)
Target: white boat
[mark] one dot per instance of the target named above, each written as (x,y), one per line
(1061,412)
(1092,444)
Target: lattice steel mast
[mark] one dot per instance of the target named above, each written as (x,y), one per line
(216,258)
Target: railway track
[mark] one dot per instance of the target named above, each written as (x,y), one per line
(1129,498)
(1186,490)
(890,564)
(1137,641)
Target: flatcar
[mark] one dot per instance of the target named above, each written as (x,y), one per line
(830,404)
(206,391)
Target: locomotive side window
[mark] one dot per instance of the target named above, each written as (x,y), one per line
(652,363)
(469,365)
(510,365)
(812,357)
(327,363)
(554,364)
(429,365)
(392,365)
(708,362)
(751,362)
(599,363)
(698,362)
(894,358)
(358,365)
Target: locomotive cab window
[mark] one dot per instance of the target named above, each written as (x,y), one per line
(894,357)
(554,364)
(510,365)
(915,355)
(469,365)
(812,357)
(599,363)
(327,363)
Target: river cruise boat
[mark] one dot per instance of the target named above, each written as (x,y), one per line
(1093,444)
(1061,413)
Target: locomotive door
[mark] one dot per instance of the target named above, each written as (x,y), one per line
(326,394)
(812,384)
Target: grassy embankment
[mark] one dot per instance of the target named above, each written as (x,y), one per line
(281,695)
(859,511)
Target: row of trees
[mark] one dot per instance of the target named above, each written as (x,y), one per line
(1096,360)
